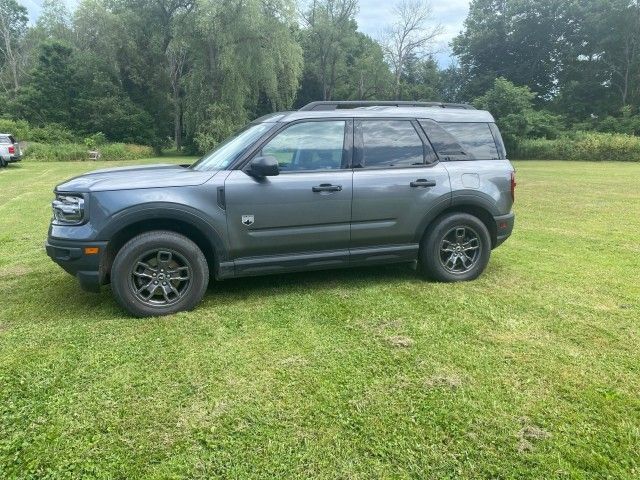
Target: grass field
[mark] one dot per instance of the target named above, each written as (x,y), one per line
(533,371)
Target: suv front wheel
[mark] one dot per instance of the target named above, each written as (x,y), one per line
(456,249)
(159,273)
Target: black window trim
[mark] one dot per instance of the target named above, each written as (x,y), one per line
(429,157)
(497,137)
(347,147)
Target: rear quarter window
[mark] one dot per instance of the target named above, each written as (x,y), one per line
(462,141)
(5,139)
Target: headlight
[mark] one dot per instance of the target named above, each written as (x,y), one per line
(68,209)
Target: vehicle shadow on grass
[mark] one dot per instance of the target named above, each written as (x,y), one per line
(236,291)
(347,279)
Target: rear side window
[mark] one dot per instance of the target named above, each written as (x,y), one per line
(389,143)
(5,139)
(461,141)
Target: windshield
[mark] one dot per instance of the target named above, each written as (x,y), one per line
(229,150)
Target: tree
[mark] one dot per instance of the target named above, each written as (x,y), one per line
(421,80)
(49,95)
(13,23)
(329,34)
(54,22)
(412,34)
(512,106)
(265,79)
(520,40)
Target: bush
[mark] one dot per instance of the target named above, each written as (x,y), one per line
(18,128)
(124,151)
(582,146)
(76,151)
(51,133)
(94,141)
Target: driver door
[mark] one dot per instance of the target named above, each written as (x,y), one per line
(299,219)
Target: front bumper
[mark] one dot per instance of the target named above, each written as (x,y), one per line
(504,227)
(70,255)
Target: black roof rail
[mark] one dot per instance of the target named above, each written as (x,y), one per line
(334,105)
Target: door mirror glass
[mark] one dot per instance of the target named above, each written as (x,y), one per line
(266,166)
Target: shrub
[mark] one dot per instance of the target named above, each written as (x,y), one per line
(51,133)
(18,128)
(582,146)
(124,151)
(55,153)
(94,141)
(76,151)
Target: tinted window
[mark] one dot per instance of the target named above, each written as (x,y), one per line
(461,141)
(446,145)
(308,146)
(475,138)
(390,143)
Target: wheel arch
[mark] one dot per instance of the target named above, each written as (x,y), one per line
(128,224)
(469,204)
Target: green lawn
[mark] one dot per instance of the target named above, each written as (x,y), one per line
(531,371)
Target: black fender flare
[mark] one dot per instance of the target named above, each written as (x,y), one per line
(463,198)
(166,211)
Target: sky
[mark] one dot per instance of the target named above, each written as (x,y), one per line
(375,14)
(372,17)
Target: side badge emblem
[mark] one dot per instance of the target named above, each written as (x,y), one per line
(247,220)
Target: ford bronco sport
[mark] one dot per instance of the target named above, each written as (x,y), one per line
(334,184)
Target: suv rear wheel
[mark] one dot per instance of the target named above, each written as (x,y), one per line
(456,249)
(159,273)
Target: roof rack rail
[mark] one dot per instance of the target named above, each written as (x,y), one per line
(334,105)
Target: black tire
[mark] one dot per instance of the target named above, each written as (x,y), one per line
(155,257)
(456,248)
(3,163)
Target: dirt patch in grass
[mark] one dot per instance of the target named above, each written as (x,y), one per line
(444,381)
(400,341)
(529,434)
(16,270)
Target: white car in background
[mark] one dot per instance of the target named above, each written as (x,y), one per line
(9,149)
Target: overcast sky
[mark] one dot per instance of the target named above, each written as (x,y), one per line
(373,16)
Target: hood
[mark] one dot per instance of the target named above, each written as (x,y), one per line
(129,178)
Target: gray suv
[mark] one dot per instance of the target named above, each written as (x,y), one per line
(335,184)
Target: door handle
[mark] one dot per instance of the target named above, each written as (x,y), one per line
(421,182)
(327,187)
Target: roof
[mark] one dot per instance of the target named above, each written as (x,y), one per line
(434,113)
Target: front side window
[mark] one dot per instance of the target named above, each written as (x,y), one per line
(461,141)
(308,146)
(390,143)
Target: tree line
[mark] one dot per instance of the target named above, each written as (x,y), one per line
(190,72)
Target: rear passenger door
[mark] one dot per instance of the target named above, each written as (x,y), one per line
(396,181)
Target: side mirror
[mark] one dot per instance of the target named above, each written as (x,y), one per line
(263,167)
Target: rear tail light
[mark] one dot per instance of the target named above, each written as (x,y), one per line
(513,186)
(12,150)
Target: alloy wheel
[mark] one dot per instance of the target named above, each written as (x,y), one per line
(460,250)
(160,277)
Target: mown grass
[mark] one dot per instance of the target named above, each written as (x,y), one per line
(533,371)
